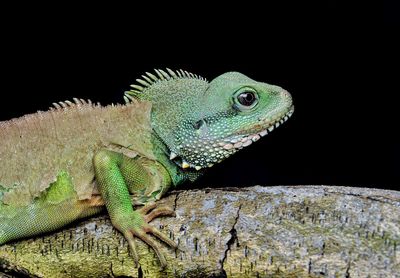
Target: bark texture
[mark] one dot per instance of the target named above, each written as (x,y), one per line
(283,231)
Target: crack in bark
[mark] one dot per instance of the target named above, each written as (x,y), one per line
(231,240)
(347,274)
(111,270)
(10,270)
(176,200)
(381,199)
(140,272)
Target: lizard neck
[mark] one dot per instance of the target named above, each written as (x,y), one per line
(177,174)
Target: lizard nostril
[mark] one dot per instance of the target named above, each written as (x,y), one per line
(286,94)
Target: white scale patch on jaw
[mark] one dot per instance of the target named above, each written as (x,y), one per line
(248,140)
(207,152)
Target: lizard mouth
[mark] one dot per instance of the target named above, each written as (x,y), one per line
(214,151)
(240,141)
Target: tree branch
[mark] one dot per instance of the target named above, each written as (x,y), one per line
(298,231)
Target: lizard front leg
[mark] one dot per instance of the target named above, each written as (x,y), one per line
(114,173)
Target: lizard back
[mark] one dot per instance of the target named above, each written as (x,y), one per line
(36,147)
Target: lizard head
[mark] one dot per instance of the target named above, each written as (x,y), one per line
(201,122)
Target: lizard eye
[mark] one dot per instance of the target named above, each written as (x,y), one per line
(245,99)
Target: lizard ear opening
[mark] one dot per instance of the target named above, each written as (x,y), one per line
(197,125)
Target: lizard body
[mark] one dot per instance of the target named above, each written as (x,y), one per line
(67,163)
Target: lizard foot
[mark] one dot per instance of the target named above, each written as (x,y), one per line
(139,227)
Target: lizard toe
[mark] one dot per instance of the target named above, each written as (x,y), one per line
(162,211)
(143,236)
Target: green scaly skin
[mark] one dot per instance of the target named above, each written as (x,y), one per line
(194,124)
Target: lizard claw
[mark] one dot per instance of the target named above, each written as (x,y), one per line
(132,246)
(140,228)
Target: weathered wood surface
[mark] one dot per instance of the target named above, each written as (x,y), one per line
(284,231)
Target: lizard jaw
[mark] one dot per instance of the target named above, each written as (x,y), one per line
(231,145)
(244,141)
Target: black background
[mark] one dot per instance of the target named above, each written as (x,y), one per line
(340,63)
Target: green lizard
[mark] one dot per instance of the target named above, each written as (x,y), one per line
(67,163)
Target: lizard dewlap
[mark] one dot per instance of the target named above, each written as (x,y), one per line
(69,162)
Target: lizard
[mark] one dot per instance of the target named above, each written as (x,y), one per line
(78,157)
